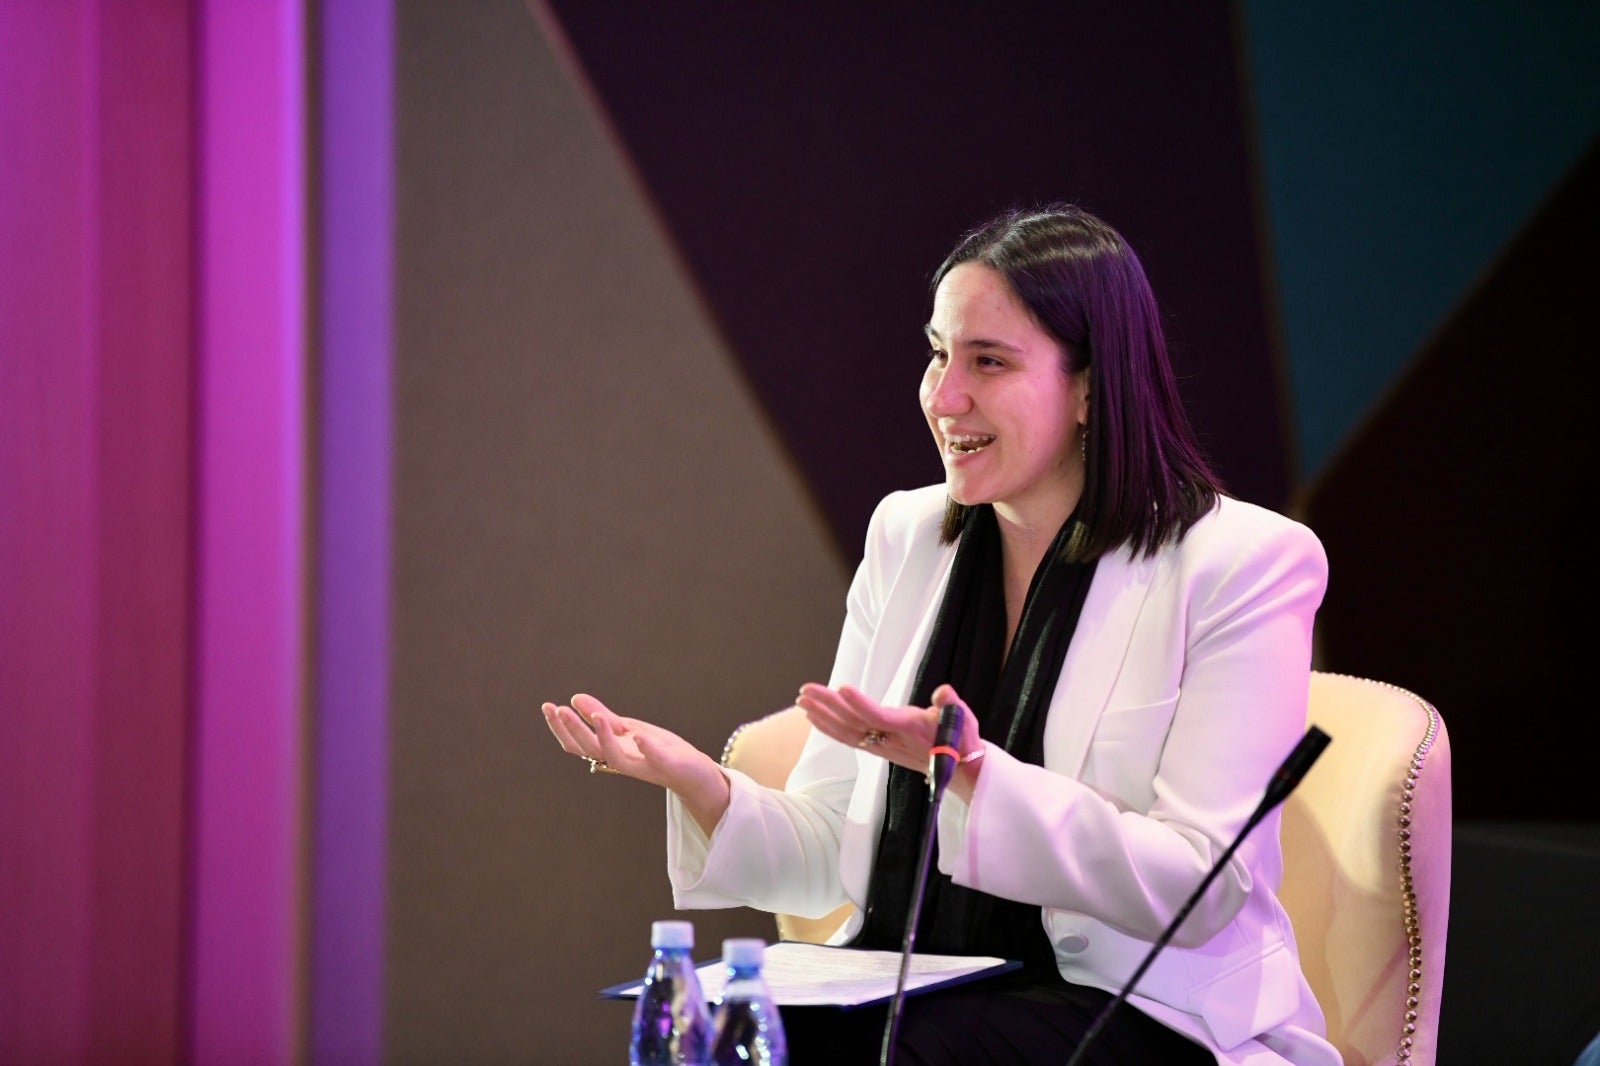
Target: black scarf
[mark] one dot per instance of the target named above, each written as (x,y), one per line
(966,649)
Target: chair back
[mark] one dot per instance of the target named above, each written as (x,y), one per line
(1366,847)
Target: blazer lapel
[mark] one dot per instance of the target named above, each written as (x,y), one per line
(909,612)
(890,670)
(1095,659)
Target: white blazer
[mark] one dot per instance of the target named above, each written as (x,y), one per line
(1184,688)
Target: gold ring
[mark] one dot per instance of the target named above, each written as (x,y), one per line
(600,766)
(872,738)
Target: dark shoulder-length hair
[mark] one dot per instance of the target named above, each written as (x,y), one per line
(1146,479)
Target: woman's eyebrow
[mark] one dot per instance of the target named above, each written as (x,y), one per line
(975,342)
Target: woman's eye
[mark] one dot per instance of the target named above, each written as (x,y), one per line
(935,355)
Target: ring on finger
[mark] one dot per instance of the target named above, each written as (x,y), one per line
(872,738)
(600,766)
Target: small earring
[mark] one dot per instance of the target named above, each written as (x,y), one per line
(1083,443)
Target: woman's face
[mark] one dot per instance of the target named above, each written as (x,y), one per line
(1004,412)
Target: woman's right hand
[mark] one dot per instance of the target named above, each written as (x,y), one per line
(638,749)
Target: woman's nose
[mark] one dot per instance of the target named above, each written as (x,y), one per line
(944,392)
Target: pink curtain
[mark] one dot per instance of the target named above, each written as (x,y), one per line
(152,541)
(95,363)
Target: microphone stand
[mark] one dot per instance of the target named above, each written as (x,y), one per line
(942,760)
(1283,782)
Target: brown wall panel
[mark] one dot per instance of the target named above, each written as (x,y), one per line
(586,497)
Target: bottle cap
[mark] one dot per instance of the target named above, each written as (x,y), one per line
(743,951)
(672,934)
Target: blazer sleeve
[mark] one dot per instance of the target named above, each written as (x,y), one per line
(1166,786)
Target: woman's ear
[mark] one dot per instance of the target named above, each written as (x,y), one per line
(1081,380)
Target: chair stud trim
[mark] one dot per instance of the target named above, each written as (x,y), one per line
(733,738)
(1408,894)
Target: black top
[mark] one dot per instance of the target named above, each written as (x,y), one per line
(1010,701)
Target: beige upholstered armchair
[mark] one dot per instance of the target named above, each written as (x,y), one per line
(1366,844)
(1366,841)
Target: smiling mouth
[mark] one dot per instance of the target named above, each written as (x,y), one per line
(968,443)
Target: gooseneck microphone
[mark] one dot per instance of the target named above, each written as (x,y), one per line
(942,760)
(943,756)
(1283,782)
(1287,777)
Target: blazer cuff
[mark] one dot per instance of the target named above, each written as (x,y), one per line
(958,851)
(692,856)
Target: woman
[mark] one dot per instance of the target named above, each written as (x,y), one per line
(1133,648)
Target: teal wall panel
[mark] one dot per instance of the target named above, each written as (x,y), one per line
(1402,147)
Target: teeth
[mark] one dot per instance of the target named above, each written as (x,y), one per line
(967,443)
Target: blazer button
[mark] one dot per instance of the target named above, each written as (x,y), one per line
(1073,944)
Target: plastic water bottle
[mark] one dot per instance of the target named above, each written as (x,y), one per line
(746,1029)
(671,1022)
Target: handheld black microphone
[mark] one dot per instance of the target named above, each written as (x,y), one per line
(1283,782)
(942,759)
(943,756)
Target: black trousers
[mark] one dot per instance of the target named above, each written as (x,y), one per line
(1011,1020)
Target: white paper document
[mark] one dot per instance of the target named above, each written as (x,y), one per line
(812,975)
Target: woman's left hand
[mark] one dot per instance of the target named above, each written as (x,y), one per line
(902,735)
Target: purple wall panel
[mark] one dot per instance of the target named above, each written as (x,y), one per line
(347,900)
(815,165)
(249,552)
